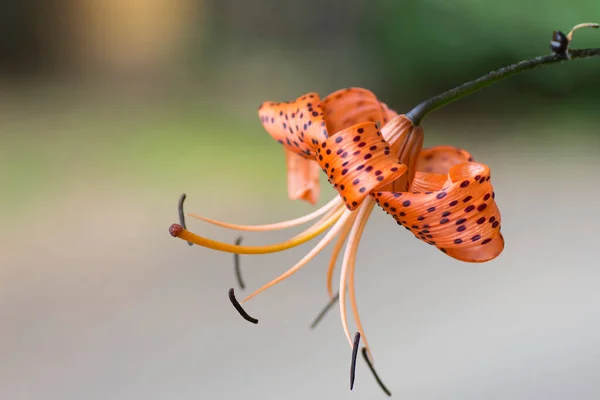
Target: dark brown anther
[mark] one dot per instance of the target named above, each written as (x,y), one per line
(353,362)
(182,214)
(237,267)
(381,385)
(324,311)
(239,308)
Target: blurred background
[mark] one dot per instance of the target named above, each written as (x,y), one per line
(109,110)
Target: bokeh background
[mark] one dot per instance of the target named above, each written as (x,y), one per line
(110,109)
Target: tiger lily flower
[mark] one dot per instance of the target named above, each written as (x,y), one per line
(371,156)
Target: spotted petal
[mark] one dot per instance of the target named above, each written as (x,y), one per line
(347,107)
(357,161)
(433,165)
(440,159)
(298,125)
(303,177)
(462,219)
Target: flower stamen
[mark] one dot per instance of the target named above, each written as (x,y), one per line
(236,266)
(324,311)
(348,261)
(353,305)
(377,378)
(239,308)
(177,230)
(336,252)
(336,201)
(181,213)
(314,251)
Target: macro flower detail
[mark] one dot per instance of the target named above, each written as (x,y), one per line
(460,218)
(301,125)
(358,160)
(371,156)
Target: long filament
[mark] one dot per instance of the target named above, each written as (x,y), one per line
(361,227)
(349,257)
(336,201)
(314,251)
(336,252)
(178,231)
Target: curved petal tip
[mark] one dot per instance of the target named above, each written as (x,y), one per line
(479,254)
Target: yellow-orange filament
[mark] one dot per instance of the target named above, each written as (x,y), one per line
(304,237)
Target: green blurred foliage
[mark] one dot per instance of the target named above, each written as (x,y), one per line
(405,51)
(434,45)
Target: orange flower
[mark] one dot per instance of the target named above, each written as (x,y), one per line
(440,194)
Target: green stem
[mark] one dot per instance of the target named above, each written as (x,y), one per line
(450,96)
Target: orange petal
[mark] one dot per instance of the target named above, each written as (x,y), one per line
(406,141)
(298,125)
(480,253)
(440,159)
(426,182)
(347,107)
(303,177)
(432,167)
(357,161)
(462,219)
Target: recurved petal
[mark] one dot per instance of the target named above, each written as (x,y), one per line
(432,167)
(480,253)
(298,125)
(440,159)
(347,107)
(424,182)
(357,161)
(303,177)
(461,219)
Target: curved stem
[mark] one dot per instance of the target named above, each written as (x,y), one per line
(450,96)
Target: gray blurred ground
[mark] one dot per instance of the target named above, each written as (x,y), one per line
(97,301)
